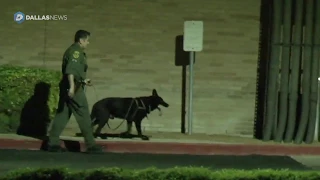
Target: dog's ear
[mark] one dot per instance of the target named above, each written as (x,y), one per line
(154,92)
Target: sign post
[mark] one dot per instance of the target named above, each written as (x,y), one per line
(316,129)
(192,42)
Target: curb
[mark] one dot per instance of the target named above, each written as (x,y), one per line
(173,148)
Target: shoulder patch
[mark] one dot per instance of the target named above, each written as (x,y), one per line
(76,54)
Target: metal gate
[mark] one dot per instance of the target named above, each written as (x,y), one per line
(288,71)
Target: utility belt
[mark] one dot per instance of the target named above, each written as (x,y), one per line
(78,84)
(64,84)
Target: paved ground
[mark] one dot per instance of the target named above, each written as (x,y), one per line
(164,146)
(13,159)
(217,154)
(310,161)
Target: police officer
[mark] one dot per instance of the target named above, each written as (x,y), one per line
(72,96)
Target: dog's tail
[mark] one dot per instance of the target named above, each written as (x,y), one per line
(93,116)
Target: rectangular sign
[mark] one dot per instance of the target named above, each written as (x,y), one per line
(193,36)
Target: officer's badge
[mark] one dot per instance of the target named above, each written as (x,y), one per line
(76,54)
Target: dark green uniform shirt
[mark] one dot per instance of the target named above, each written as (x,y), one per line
(75,63)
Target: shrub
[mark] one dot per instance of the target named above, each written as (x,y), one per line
(157,174)
(22,86)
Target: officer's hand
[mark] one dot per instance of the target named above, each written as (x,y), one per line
(71,93)
(88,82)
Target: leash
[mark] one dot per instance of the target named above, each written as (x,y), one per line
(76,106)
(134,100)
(135,112)
(96,94)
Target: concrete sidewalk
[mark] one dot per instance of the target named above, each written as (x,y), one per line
(166,146)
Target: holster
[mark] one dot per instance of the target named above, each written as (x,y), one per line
(71,102)
(78,85)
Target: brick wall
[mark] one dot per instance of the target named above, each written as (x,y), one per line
(132,51)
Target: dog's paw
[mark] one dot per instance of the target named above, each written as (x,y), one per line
(145,138)
(103,137)
(96,135)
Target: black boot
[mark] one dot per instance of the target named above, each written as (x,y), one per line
(56,148)
(96,149)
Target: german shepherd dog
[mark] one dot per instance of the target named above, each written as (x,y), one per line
(126,108)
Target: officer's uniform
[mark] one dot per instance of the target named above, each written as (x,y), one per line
(74,62)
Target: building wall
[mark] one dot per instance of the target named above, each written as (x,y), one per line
(132,51)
